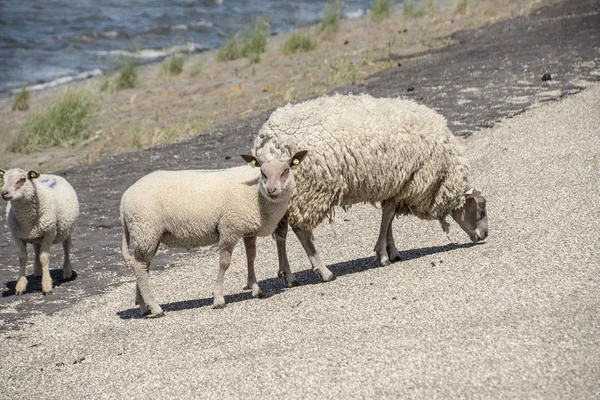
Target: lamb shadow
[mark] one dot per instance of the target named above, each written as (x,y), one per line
(35,285)
(273,286)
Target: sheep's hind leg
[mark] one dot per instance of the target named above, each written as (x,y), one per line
(144,297)
(284,272)
(67,267)
(318,266)
(225,259)
(21,286)
(250,245)
(388,210)
(392,250)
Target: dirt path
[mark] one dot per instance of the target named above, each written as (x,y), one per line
(491,73)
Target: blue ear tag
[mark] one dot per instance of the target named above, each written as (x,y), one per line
(252,163)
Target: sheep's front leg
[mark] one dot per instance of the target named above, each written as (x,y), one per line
(21,286)
(250,245)
(67,268)
(392,250)
(225,259)
(45,261)
(37,266)
(318,266)
(388,210)
(284,272)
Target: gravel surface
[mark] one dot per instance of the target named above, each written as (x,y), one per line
(514,317)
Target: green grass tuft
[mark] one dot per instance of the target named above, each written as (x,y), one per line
(251,43)
(172,65)
(21,102)
(297,42)
(331,18)
(67,122)
(411,10)
(196,69)
(128,75)
(460,7)
(381,10)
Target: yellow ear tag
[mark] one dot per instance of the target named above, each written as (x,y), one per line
(252,163)
(296,161)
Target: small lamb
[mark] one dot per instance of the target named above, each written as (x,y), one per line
(374,150)
(193,208)
(42,210)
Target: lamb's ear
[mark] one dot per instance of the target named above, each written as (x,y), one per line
(33,175)
(297,158)
(251,160)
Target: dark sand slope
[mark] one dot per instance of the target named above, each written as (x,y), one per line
(492,73)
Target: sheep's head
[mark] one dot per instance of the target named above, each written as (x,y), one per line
(472,217)
(276,176)
(15,182)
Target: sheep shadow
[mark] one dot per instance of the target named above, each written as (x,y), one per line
(35,284)
(274,286)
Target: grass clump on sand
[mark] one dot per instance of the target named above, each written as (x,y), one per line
(67,122)
(172,65)
(331,18)
(460,7)
(128,75)
(21,102)
(410,9)
(380,10)
(196,69)
(298,42)
(251,43)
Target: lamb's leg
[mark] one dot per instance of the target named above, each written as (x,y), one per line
(45,261)
(21,286)
(250,244)
(144,297)
(67,268)
(388,210)
(284,272)
(37,266)
(318,266)
(225,259)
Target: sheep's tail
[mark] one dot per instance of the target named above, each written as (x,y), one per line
(126,240)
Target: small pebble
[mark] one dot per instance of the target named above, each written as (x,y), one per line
(346,42)
(228,157)
(546,77)
(410,89)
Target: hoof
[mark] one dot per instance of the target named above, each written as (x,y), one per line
(219,306)
(19,293)
(47,293)
(291,284)
(148,314)
(327,278)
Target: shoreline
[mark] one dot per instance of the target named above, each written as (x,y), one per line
(166,109)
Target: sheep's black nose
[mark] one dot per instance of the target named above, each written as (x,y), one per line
(5,195)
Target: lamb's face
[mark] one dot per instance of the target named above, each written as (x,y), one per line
(275,179)
(16,182)
(472,218)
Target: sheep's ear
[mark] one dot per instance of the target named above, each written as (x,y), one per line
(297,158)
(251,160)
(33,175)
(2,173)
(472,193)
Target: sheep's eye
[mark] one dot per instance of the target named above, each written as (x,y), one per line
(263,175)
(285,172)
(22,180)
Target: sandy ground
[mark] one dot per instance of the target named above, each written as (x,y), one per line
(514,317)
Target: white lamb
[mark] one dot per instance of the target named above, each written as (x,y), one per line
(192,208)
(42,210)
(364,149)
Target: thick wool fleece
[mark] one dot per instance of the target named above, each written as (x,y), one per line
(196,208)
(365,149)
(48,202)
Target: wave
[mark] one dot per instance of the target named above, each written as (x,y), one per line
(151,54)
(62,80)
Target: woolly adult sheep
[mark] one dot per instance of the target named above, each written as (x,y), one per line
(192,208)
(42,210)
(365,149)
